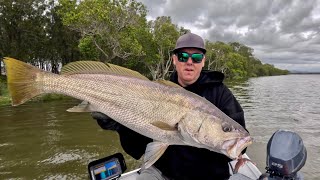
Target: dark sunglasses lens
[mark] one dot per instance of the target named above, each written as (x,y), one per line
(197,58)
(183,57)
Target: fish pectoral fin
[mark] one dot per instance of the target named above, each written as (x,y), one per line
(84,106)
(164,126)
(153,152)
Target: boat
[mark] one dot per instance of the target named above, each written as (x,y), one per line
(286,155)
(248,170)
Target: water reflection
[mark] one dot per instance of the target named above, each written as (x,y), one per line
(43,141)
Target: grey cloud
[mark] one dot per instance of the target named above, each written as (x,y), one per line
(279,5)
(184,11)
(292,16)
(315,39)
(204,25)
(279,31)
(224,36)
(239,12)
(309,24)
(155,7)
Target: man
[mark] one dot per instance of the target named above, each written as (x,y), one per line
(185,162)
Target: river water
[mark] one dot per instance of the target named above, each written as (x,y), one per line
(40,140)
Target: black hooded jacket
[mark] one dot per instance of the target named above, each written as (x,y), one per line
(186,162)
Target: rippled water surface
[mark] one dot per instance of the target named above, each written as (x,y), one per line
(43,141)
(289,102)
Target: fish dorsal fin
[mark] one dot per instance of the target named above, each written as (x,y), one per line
(97,67)
(167,83)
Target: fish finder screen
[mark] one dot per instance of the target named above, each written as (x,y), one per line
(106,170)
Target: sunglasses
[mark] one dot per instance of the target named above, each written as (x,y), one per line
(196,57)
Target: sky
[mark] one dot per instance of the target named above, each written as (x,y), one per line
(285,33)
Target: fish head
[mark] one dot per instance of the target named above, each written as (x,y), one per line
(220,135)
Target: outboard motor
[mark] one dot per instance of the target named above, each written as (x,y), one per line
(286,155)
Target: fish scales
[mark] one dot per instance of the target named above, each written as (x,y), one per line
(113,97)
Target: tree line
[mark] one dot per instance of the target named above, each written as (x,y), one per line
(55,32)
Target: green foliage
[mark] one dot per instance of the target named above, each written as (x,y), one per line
(63,41)
(111,25)
(3,86)
(216,56)
(236,61)
(32,31)
(87,48)
(236,66)
(162,40)
(21,30)
(4,94)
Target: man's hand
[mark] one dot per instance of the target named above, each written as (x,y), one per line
(105,122)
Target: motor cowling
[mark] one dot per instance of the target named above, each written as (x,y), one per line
(286,154)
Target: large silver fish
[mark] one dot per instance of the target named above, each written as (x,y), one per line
(162,111)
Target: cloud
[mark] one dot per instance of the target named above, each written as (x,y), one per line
(283,33)
(155,8)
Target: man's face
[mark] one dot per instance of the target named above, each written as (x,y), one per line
(189,71)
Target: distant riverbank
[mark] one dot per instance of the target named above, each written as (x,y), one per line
(304,73)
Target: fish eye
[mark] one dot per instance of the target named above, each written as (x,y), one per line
(226,128)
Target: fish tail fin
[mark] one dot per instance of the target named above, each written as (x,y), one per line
(21,79)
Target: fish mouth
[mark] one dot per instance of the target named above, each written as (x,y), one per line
(233,148)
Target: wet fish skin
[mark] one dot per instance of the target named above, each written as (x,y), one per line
(168,114)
